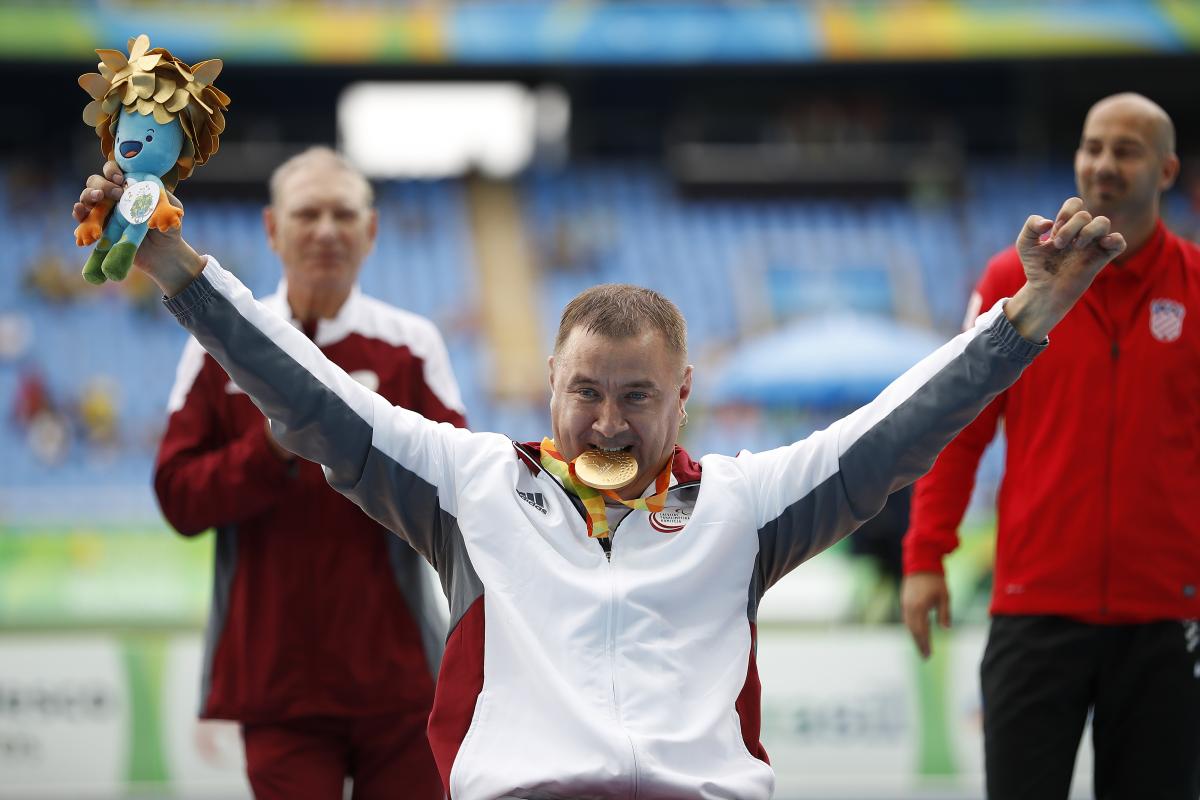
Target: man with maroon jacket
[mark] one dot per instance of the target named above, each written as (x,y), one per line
(1097,580)
(323,647)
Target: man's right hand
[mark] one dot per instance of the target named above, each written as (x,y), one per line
(920,594)
(164,256)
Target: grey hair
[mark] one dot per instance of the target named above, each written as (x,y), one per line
(317,155)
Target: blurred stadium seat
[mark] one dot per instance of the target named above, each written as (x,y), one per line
(734,266)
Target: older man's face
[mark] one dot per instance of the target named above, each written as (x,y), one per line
(619,394)
(322,228)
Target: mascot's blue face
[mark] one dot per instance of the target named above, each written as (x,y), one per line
(144,145)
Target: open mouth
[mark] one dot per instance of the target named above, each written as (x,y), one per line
(624,449)
(130,149)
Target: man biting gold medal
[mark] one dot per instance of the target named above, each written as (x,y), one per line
(591,657)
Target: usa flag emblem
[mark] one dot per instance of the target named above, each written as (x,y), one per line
(1166,319)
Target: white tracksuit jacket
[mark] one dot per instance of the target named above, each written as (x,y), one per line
(567,674)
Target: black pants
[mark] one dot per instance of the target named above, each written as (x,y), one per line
(1040,677)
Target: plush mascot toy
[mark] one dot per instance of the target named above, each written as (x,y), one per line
(158,119)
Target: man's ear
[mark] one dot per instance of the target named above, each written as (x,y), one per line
(1170,171)
(685,389)
(550,371)
(373,226)
(268,214)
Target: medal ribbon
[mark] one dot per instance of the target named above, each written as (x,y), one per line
(593,499)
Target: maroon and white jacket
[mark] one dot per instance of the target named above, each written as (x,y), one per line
(572,673)
(316,608)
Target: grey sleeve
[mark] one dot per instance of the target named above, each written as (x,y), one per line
(811,494)
(394,463)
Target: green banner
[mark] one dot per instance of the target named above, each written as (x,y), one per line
(84,577)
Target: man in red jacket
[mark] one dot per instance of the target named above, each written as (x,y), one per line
(1097,580)
(323,647)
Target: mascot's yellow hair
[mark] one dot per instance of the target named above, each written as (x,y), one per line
(156,82)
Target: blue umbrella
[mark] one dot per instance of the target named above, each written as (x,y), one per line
(836,360)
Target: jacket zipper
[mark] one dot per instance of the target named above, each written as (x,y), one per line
(612,666)
(606,545)
(1106,557)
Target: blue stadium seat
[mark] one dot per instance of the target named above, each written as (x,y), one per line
(717,258)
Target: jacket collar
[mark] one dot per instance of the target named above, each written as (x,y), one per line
(328,330)
(1137,265)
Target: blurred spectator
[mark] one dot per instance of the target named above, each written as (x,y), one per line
(33,397)
(98,412)
(52,280)
(47,430)
(16,332)
(143,295)
(49,437)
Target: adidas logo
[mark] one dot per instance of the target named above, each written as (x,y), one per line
(535,499)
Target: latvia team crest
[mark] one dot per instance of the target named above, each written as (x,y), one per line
(1166,319)
(670,520)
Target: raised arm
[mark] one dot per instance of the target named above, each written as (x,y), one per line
(202,478)
(395,464)
(808,495)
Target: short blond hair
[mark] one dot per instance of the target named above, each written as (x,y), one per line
(622,310)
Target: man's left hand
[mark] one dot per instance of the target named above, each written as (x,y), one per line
(1061,257)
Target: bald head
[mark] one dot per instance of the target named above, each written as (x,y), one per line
(1125,161)
(1141,112)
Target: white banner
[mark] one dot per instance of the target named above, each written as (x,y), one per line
(842,717)
(64,715)
(839,712)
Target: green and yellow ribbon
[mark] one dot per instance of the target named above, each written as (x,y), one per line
(593,499)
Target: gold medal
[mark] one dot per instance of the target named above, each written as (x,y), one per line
(604,470)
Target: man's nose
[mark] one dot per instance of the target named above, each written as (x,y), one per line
(610,420)
(326,227)
(1105,163)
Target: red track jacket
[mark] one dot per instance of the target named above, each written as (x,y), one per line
(1099,509)
(317,609)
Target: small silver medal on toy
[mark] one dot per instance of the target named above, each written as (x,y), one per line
(138,201)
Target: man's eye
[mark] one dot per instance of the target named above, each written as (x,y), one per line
(588,394)
(637,396)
